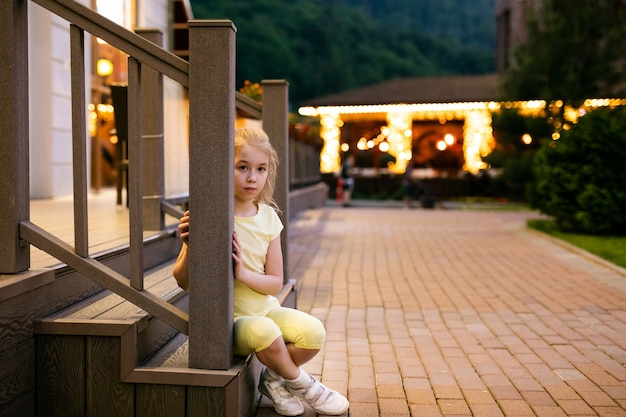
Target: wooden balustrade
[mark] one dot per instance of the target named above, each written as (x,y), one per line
(210,78)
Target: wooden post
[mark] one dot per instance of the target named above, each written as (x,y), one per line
(276,125)
(14,165)
(211,200)
(79,142)
(135,172)
(152,139)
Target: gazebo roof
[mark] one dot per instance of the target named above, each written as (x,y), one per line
(448,89)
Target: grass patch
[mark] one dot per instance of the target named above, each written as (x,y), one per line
(611,248)
(496,206)
(487,203)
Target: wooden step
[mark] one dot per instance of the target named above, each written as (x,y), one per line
(40,292)
(105,357)
(170,364)
(212,392)
(189,391)
(13,285)
(106,313)
(85,350)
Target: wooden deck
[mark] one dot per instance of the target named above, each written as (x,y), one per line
(108,224)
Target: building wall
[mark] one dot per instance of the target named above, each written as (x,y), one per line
(511,28)
(50,103)
(157,14)
(154,14)
(176,143)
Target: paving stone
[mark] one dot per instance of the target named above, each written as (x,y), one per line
(459,313)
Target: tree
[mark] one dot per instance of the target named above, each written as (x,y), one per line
(575,50)
(580,177)
(325,46)
(512,155)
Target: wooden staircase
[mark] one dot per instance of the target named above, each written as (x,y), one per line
(105,357)
(71,344)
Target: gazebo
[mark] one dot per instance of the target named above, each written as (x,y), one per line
(440,126)
(431,122)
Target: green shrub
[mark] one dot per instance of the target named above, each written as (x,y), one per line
(580,179)
(511,155)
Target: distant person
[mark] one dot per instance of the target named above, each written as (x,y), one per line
(347,179)
(409,185)
(282,338)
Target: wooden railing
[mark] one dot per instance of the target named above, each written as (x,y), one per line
(210,79)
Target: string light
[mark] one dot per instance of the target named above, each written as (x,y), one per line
(330,133)
(400,139)
(478,140)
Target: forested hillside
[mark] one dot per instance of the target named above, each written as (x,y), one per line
(326,46)
(466,23)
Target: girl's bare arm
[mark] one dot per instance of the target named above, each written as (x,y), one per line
(269,283)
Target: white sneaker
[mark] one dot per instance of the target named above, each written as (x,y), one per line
(273,387)
(322,399)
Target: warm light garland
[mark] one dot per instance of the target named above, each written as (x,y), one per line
(478,140)
(400,139)
(331,133)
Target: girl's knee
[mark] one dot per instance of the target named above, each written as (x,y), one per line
(309,334)
(317,335)
(252,334)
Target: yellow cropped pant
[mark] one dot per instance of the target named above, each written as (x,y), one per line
(257,333)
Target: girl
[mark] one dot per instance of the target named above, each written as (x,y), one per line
(282,338)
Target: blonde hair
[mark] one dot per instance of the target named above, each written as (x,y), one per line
(258,139)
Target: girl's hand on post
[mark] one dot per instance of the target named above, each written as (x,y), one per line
(181,267)
(237,258)
(183,227)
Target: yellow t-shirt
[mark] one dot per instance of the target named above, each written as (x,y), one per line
(255,234)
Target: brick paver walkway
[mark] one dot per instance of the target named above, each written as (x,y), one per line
(459,313)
